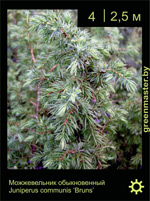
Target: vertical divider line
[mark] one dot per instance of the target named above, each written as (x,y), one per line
(104,15)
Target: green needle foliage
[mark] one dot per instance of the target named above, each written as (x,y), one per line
(128,138)
(63,83)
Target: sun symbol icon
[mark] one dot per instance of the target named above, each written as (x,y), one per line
(136,183)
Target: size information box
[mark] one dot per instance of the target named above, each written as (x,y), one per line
(116,14)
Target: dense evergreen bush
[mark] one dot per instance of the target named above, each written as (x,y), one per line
(74,102)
